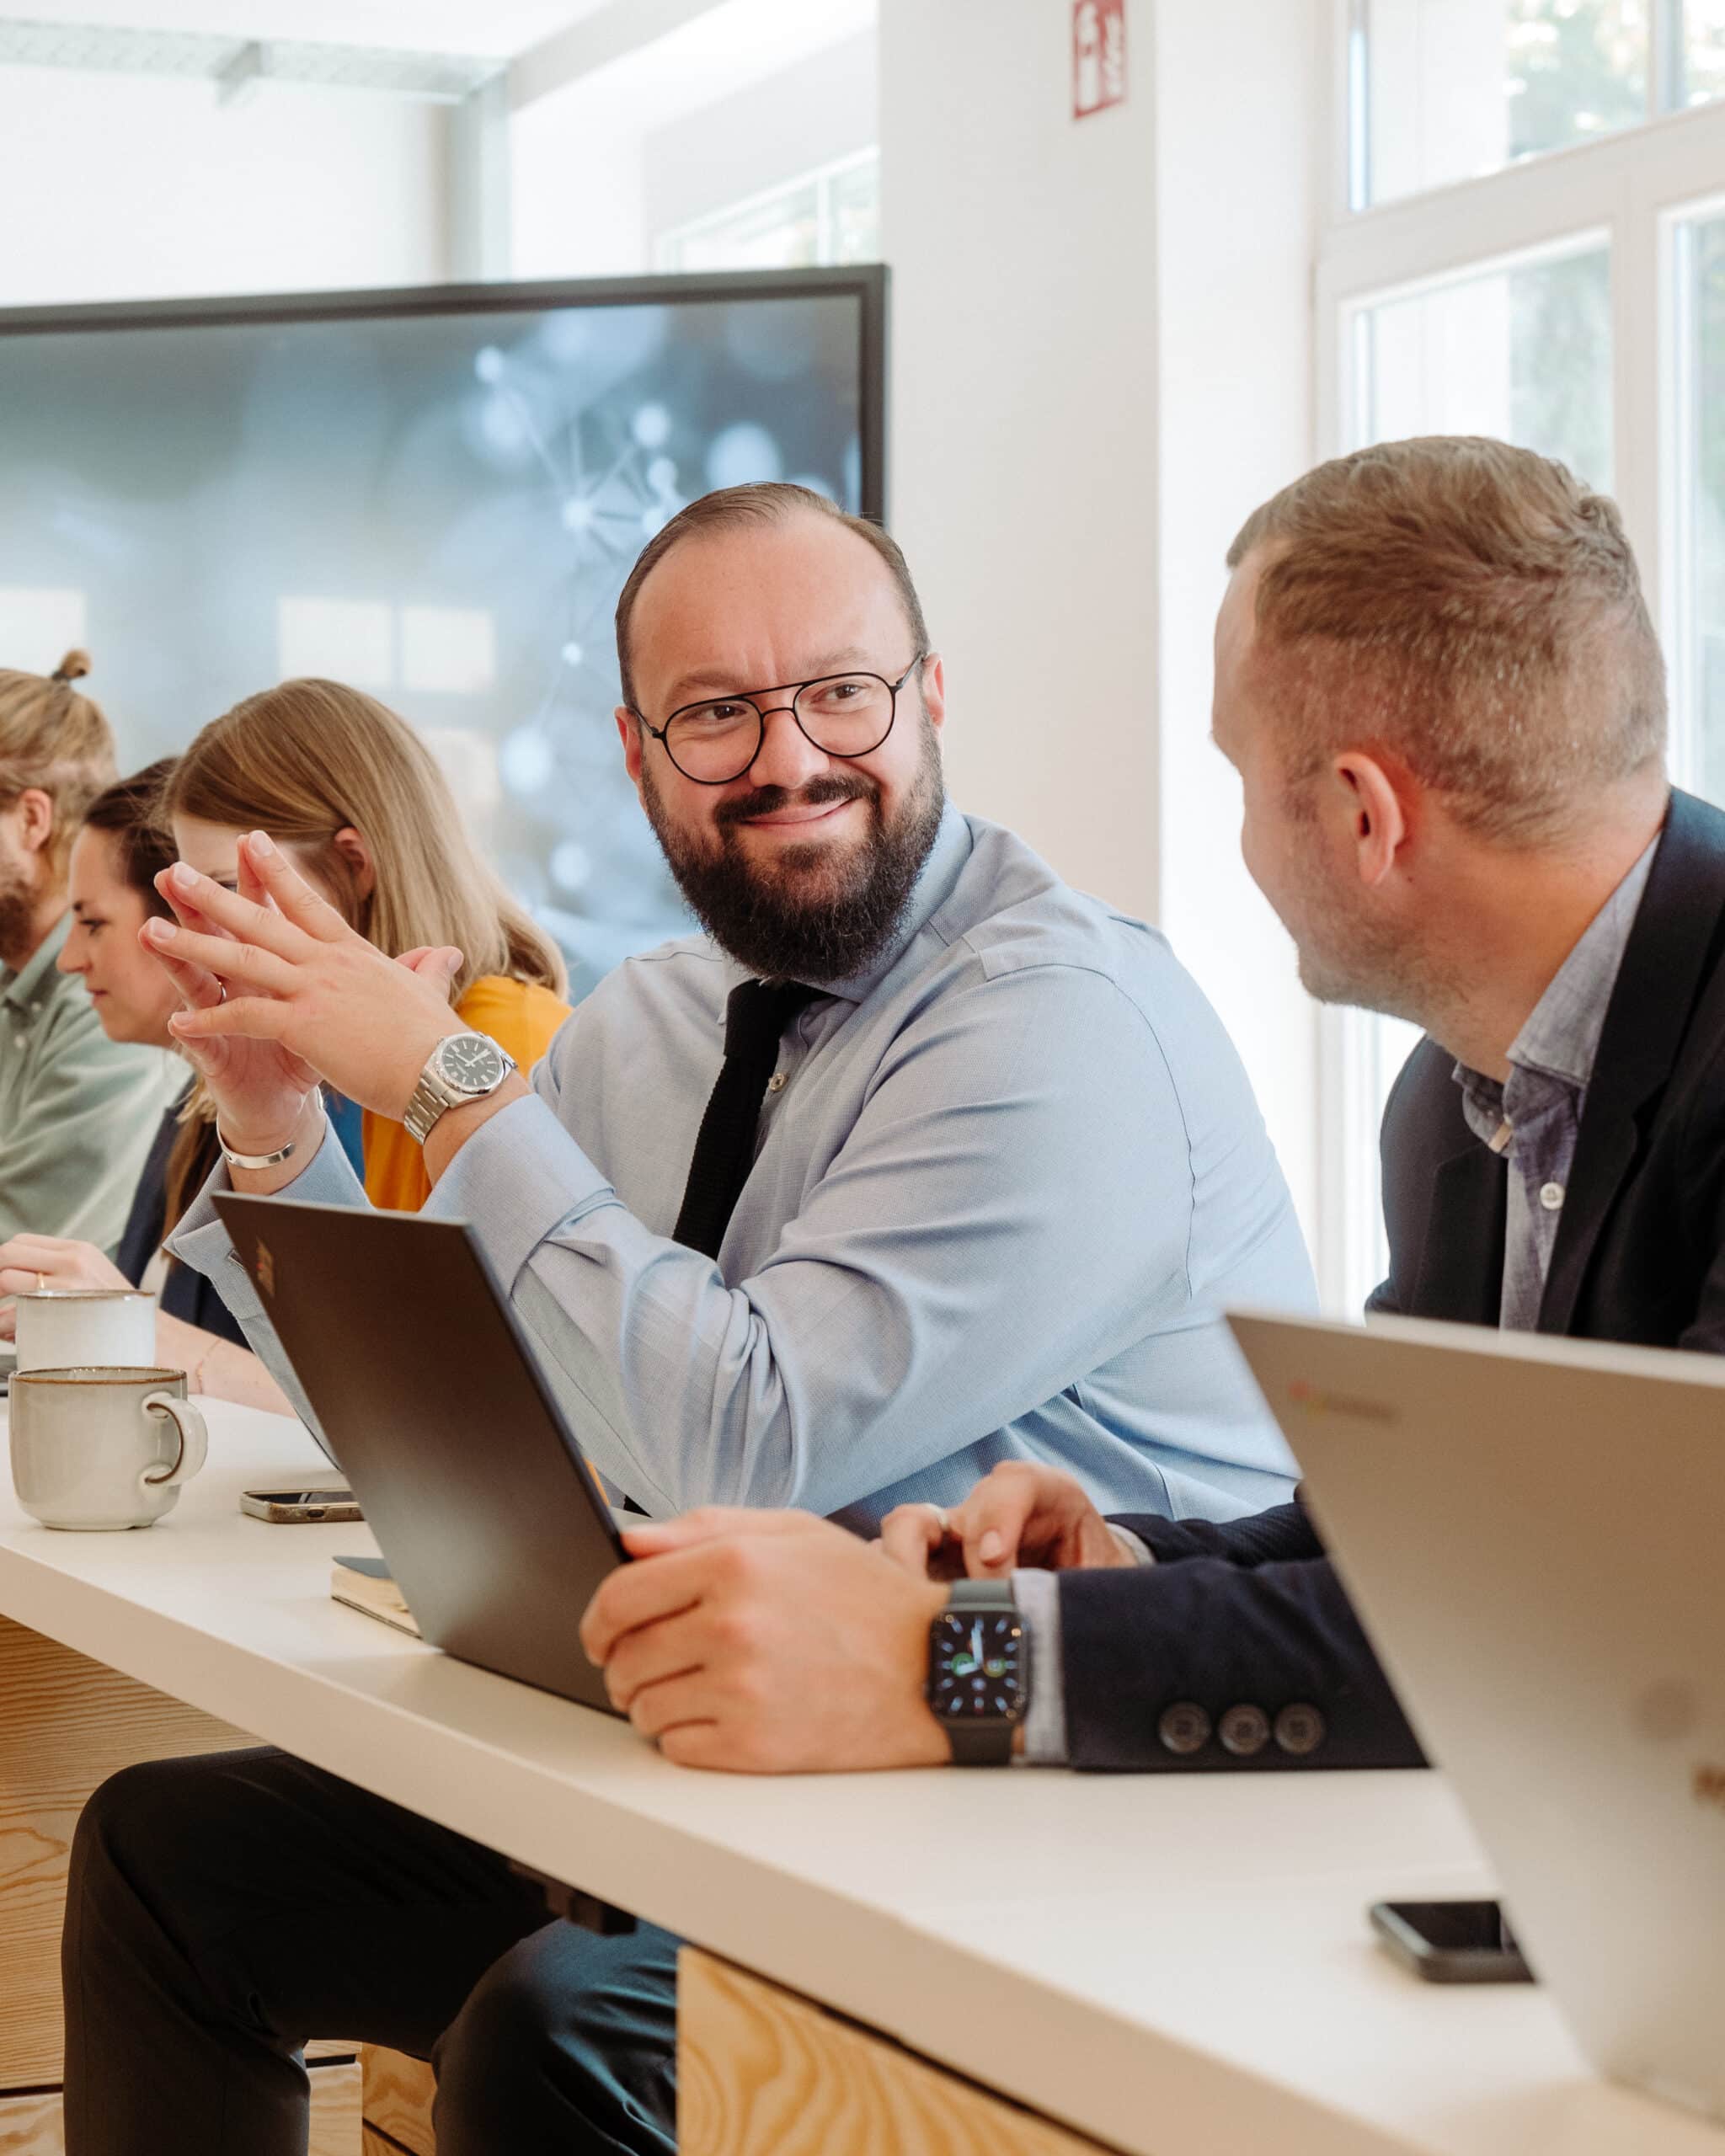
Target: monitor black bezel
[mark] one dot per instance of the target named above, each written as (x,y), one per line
(867,282)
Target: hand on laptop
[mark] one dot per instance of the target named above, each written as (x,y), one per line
(768,1642)
(1021,1513)
(304,997)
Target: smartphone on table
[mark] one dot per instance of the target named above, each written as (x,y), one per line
(1451,1942)
(286,1508)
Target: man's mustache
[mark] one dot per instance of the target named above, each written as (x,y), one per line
(773,800)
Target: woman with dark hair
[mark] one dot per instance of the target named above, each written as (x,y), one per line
(119,851)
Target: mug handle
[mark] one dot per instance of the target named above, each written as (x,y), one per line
(193,1440)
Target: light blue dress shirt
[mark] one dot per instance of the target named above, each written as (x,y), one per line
(1004,1183)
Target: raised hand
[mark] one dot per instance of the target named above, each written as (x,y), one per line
(262,1091)
(301,987)
(1021,1513)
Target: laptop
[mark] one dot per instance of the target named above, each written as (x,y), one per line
(432,1403)
(1533,1532)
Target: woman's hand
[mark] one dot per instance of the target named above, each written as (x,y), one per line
(30,1262)
(261,1090)
(307,995)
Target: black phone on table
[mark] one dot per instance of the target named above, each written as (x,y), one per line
(1452,1942)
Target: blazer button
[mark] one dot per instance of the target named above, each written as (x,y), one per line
(1300,1730)
(1184,1728)
(1244,1730)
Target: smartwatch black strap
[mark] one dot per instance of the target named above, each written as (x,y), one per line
(989,1743)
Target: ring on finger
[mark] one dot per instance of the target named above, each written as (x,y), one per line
(942,1518)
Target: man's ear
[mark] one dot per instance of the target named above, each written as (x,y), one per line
(351,846)
(933,676)
(634,743)
(1378,812)
(36,818)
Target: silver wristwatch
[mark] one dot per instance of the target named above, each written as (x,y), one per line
(463,1067)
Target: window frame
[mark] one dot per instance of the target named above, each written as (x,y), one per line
(1638,187)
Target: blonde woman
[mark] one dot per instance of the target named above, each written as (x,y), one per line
(355,799)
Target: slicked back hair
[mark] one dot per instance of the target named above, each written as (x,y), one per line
(733,508)
(1471,609)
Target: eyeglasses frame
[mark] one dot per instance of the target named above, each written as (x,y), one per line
(763,713)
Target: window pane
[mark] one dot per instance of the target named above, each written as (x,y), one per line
(1700,481)
(1455,88)
(1703,52)
(1522,353)
(1525,353)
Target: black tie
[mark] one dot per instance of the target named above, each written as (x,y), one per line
(755,1022)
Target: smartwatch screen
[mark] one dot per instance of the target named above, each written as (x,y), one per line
(976,1666)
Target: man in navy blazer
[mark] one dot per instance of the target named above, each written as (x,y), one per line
(1439,683)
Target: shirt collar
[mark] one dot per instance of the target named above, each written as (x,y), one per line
(933,888)
(1560,1036)
(20,990)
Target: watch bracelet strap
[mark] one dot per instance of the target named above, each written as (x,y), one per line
(987,1744)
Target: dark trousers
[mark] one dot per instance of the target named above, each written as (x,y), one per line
(222,1911)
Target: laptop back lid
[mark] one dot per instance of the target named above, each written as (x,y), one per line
(1531,1529)
(432,1403)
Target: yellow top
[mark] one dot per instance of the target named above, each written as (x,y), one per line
(520,1018)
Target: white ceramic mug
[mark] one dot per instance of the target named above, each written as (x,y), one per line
(103,1447)
(79,1328)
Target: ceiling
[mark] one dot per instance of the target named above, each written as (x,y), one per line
(499,27)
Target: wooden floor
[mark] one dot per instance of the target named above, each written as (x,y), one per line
(66,1724)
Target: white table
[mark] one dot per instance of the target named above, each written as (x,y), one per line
(1177,1964)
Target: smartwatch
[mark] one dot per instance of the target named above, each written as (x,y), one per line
(979,1672)
(463,1067)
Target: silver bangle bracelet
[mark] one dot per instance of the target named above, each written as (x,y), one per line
(255,1159)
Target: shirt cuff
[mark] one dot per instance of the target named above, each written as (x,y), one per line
(201,1240)
(517,1179)
(1038,1595)
(1135,1545)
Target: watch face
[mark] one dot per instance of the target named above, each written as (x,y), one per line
(976,1666)
(470,1063)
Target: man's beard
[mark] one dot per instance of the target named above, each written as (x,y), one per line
(18,917)
(768,918)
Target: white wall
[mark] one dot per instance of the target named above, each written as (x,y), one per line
(690,120)
(1102,361)
(1240,170)
(1024,419)
(125,187)
(824,108)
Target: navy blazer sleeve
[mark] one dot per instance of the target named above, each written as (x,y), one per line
(1243,1612)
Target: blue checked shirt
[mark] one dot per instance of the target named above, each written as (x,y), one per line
(1005,1182)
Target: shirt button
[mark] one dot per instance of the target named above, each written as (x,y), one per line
(1184,1728)
(1550,1196)
(1300,1730)
(775,1084)
(1244,1730)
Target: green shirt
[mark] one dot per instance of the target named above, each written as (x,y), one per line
(77,1110)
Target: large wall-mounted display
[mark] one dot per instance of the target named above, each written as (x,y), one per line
(434,495)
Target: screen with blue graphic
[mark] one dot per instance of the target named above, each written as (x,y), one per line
(437,503)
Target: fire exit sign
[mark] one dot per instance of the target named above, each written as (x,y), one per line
(1099,55)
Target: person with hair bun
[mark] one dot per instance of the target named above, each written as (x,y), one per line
(78,1109)
(117,854)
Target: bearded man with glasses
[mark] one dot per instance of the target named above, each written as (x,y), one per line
(915,1162)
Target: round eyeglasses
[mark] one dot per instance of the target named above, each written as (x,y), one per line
(843,714)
